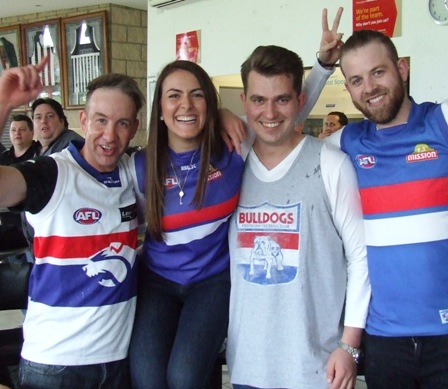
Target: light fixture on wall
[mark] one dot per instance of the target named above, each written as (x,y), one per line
(47,40)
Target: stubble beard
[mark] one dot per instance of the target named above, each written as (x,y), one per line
(388,112)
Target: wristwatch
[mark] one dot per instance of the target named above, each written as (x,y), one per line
(353,351)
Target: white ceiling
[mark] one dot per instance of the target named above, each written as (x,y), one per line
(23,7)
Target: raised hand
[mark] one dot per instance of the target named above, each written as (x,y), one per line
(331,41)
(19,85)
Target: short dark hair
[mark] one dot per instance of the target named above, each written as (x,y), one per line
(362,38)
(21,117)
(274,61)
(341,117)
(53,104)
(123,82)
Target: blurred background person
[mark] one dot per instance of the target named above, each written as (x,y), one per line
(333,122)
(51,126)
(23,146)
(21,133)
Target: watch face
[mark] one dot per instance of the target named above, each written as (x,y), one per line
(438,10)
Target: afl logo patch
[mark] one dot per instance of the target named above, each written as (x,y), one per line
(366,161)
(171,182)
(87,216)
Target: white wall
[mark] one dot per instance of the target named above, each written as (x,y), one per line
(231,29)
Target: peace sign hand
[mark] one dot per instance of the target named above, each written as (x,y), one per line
(329,50)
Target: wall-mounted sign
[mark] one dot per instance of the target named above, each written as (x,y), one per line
(379,15)
(187,46)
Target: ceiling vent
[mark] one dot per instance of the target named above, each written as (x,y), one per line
(163,3)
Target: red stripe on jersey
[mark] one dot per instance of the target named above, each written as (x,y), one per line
(406,196)
(286,240)
(63,247)
(200,216)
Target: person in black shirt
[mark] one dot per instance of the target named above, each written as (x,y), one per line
(23,147)
(21,133)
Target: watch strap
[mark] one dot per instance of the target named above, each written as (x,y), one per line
(353,351)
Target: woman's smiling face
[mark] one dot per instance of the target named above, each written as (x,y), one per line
(184,110)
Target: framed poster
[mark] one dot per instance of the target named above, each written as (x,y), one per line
(9,47)
(85,54)
(188,46)
(40,40)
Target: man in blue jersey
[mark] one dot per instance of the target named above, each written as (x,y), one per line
(400,154)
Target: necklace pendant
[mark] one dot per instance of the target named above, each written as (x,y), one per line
(181,194)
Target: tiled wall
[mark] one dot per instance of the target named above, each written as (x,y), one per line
(127,32)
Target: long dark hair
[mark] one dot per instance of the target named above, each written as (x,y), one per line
(210,142)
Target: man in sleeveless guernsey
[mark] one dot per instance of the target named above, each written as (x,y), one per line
(300,288)
(82,206)
(400,154)
(53,135)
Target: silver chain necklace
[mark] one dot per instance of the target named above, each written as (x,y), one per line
(181,187)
